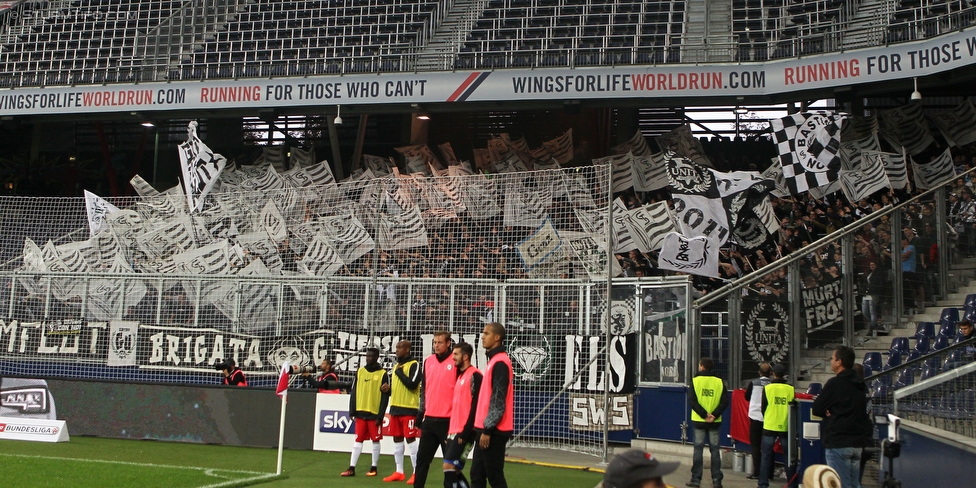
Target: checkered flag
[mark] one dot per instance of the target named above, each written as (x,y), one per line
(809,149)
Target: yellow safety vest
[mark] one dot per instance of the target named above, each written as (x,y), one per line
(400,396)
(709,391)
(778,398)
(368,394)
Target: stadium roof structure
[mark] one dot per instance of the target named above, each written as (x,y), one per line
(111,59)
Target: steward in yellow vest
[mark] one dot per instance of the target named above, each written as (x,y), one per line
(776,400)
(708,398)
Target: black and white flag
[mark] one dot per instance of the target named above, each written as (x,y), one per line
(699,215)
(538,246)
(869,178)
(696,255)
(852,152)
(561,148)
(934,173)
(764,212)
(906,126)
(775,173)
(649,224)
(809,149)
(636,145)
(377,165)
(142,188)
(321,259)
(682,142)
(98,210)
(480,198)
(593,257)
(622,170)
(300,158)
(210,259)
(958,125)
(273,222)
(822,191)
(894,165)
(526,208)
(404,231)
(201,168)
(650,172)
(622,240)
(347,236)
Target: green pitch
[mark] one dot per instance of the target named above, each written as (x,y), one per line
(89,461)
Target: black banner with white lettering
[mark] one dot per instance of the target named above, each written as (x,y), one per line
(664,335)
(765,334)
(823,310)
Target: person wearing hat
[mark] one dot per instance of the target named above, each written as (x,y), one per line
(777,396)
(233,376)
(637,469)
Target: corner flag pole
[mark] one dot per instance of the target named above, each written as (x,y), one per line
(282,391)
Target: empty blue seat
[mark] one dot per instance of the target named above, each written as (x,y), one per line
(894,359)
(970,301)
(947,329)
(814,388)
(941,342)
(905,378)
(901,345)
(868,371)
(925,329)
(929,370)
(949,314)
(922,346)
(954,360)
(872,360)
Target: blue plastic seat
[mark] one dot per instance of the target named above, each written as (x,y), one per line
(950,314)
(941,342)
(873,360)
(929,371)
(814,388)
(970,301)
(947,329)
(905,378)
(925,329)
(868,371)
(954,360)
(900,345)
(922,346)
(894,359)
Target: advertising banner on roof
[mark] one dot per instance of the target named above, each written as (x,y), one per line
(882,63)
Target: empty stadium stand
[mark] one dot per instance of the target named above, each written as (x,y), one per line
(103,41)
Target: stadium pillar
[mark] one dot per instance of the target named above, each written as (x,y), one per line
(35,148)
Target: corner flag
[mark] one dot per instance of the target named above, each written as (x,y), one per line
(282,389)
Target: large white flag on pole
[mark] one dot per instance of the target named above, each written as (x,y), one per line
(201,167)
(98,210)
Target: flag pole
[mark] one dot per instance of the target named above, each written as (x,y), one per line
(282,391)
(281,431)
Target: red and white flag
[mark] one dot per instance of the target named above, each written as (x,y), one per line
(282,389)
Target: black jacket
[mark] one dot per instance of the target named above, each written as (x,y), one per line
(845,397)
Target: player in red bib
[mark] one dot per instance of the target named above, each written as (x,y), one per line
(460,434)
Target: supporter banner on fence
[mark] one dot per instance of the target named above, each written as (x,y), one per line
(823,308)
(586,412)
(664,350)
(765,334)
(871,65)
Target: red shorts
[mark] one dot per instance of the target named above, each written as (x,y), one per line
(367,430)
(402,426)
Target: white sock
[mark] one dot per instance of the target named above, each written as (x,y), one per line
(376,454)
(398,456)
(357,449)
(412,446)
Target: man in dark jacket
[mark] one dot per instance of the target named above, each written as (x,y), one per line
(708,398)
(847,428)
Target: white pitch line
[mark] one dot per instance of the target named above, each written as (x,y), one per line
(242,480)
(129,463)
